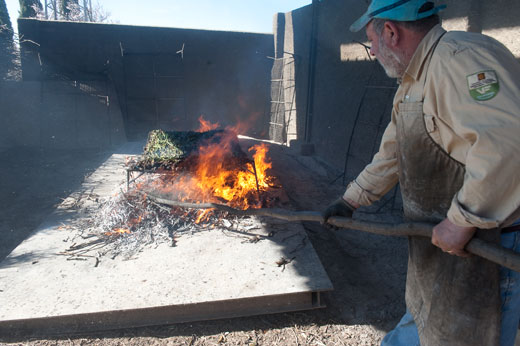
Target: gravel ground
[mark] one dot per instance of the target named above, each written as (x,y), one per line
(367,271)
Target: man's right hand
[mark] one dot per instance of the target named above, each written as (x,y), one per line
(339,207)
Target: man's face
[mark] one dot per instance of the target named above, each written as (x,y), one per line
(390,60)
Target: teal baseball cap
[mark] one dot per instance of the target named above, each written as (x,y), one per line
(399,10)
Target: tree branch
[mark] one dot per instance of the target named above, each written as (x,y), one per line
(493,252)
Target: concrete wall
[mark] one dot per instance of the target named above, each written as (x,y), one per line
(291,68)
(19,112)
(498,19)
(55,114)
(352,96)
(164,77)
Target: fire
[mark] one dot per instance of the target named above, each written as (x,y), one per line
(119,231)
(203,215)
(261,164)
(135,221)
(214,179)
(206,125)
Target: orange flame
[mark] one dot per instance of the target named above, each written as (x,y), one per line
(214,181)
(135,221)
(261,164)
(119,231)
(203,215)
(206,125)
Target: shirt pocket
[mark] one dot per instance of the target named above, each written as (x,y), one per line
(410,108)
(432,129)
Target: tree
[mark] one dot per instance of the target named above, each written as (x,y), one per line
(6,28)
(69,9)
(6,41)
(73,10)
(29,8)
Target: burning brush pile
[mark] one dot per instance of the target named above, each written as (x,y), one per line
(200,174)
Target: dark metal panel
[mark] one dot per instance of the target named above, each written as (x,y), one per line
(154,93)
(168,65)
(171,113)
(140,87)
(141,110)
(168,87)
(139,64)
(82,323)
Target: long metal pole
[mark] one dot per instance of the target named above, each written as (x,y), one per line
(312,64)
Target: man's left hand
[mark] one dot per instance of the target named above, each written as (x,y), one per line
(452,238)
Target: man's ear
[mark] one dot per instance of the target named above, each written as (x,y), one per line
(392,33)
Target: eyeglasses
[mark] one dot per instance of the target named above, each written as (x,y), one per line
(367,48)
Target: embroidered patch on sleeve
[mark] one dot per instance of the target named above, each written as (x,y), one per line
(483,85)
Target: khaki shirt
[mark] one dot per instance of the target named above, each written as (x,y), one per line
(484,135)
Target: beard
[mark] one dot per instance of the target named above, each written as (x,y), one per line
(390,61)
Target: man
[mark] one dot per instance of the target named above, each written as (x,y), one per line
(453,144)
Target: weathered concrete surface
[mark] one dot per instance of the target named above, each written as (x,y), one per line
(40,291)
(292,32)
(60,115)
(164,77)
(498,19)
(367,271)
(349,90)
(352,95)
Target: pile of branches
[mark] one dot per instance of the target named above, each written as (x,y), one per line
(126,224)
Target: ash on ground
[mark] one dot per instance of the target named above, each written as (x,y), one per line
(128,222)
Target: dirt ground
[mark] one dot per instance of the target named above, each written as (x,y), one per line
(367,271)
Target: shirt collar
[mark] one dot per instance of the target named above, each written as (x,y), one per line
(414,68)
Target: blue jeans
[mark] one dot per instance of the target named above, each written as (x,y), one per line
(510,293)
(405,333)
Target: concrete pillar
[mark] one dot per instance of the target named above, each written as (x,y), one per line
(475,16)
(289,77)
(279,34)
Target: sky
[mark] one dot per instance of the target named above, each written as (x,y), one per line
(228,15)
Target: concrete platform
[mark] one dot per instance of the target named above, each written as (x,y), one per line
(211,274)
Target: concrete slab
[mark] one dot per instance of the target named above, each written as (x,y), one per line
(211,274)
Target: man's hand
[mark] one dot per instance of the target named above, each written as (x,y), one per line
(452,238)
(339,207)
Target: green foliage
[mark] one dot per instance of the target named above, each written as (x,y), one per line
(175,145)
(27,8)
(167,149)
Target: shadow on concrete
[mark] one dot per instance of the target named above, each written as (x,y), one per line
(34,182)
(482,15)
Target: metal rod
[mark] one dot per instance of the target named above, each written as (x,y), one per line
(128,181)
(257,185)
(311,72)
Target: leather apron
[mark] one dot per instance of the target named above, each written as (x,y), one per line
(454,300)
